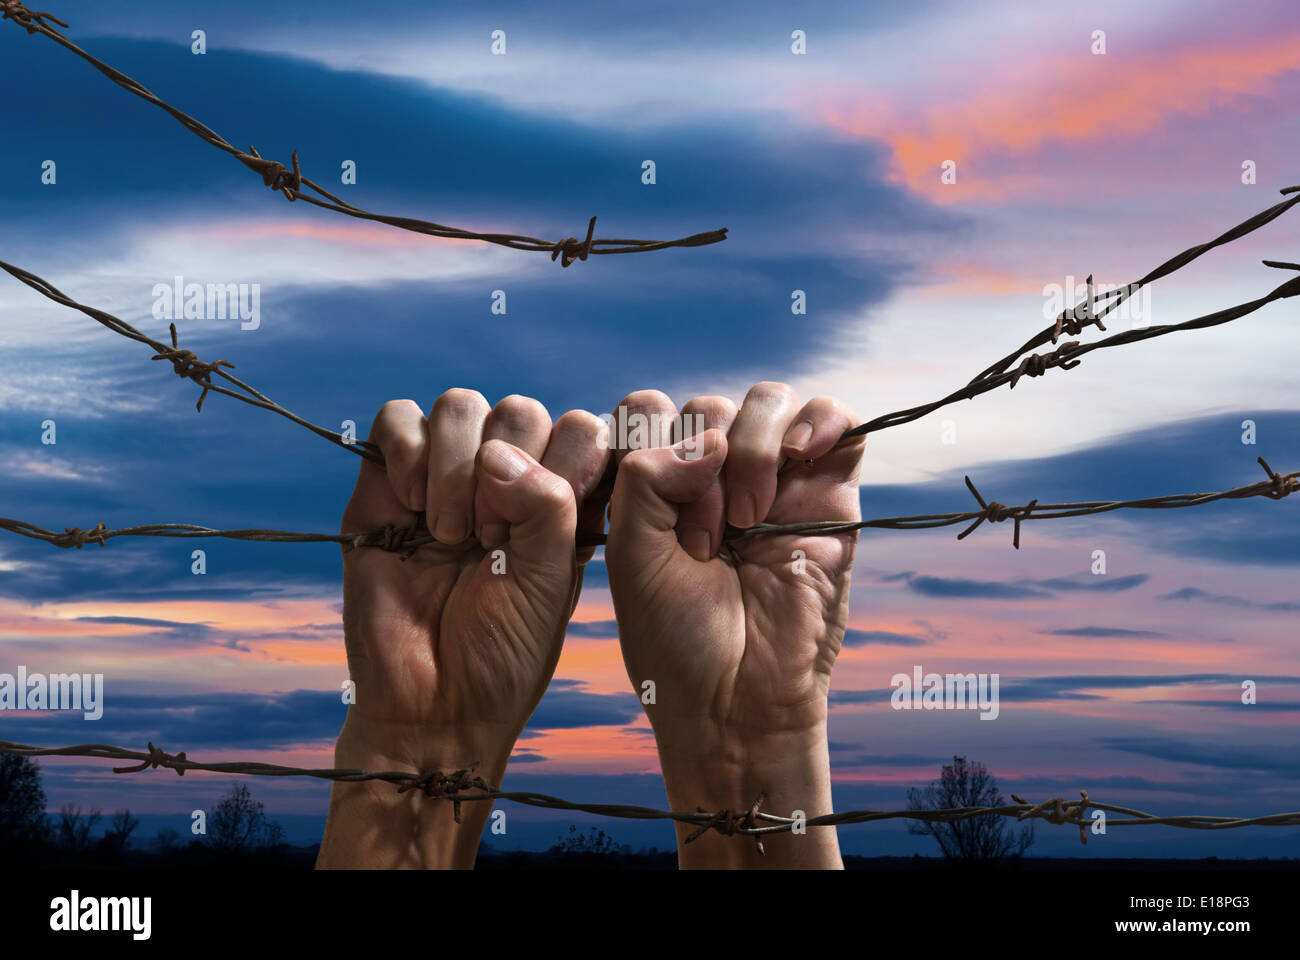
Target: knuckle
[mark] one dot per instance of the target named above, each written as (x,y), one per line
(520,412)
(582,423)
(394,409)
(460,403)
(771,390)
(647,400)
(715,410)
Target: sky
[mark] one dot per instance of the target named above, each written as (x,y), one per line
(826,170)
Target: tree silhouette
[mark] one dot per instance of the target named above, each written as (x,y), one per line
(74,828)
(167,842)
(119,832)
(22,803)
(239,824)
(966,783)
(594,842)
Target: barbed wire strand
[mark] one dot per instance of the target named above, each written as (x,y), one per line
(406,539)
(437,785)
(188,366)
(291,182)
(1066,356)
(461,786)
(1072,322)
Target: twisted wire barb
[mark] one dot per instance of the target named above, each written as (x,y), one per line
(292,185)
(406,539)
(1072,322)
(188,366)
(460,787)
(1068,355)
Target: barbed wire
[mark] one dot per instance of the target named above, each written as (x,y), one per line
(1066,356)
(189,367)
(1072,322)
(461,786)
(290,182)
(407,538)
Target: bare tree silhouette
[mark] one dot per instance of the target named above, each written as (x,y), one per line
(119,832)
(239,824)
(75,828)
(965,783)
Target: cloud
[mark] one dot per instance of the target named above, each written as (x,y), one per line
(1099,584)
(1117,632)
(972,589)
(1280,762)
(851,697)
(567,706)
(175,631)
(1070,687)
(1228,600)
(225,721)
(890,760)
(1002,120)
(929,586)
(1075,688)
(861,638)
(592,628)
(527,756)
(1234,703)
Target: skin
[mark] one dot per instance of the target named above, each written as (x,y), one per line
(740,652)
(450,659)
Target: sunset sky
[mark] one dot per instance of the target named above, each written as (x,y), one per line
(826,169)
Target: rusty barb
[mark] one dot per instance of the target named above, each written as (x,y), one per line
(1059,811)
(29,20)
(190,367)
(437,785)
(76,538)
(293,185)
(995,512)
(729,824)
(157,758)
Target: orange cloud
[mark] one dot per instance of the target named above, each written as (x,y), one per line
(1078,100)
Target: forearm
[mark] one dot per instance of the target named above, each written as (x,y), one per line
(717,770)
(372,826)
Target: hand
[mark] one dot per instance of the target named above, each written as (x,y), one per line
(452,648)
(739,646)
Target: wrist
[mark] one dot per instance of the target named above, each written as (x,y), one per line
(716,769)
(372,826)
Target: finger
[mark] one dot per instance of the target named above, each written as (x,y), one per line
(647,491)
(700,523)
(817,429)
(536,505)
(389,494)
(523,423)
(642,420)
(455,434)
(754,452)
(578,451)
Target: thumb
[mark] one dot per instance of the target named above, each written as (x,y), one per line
(536,503)
(649,486)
